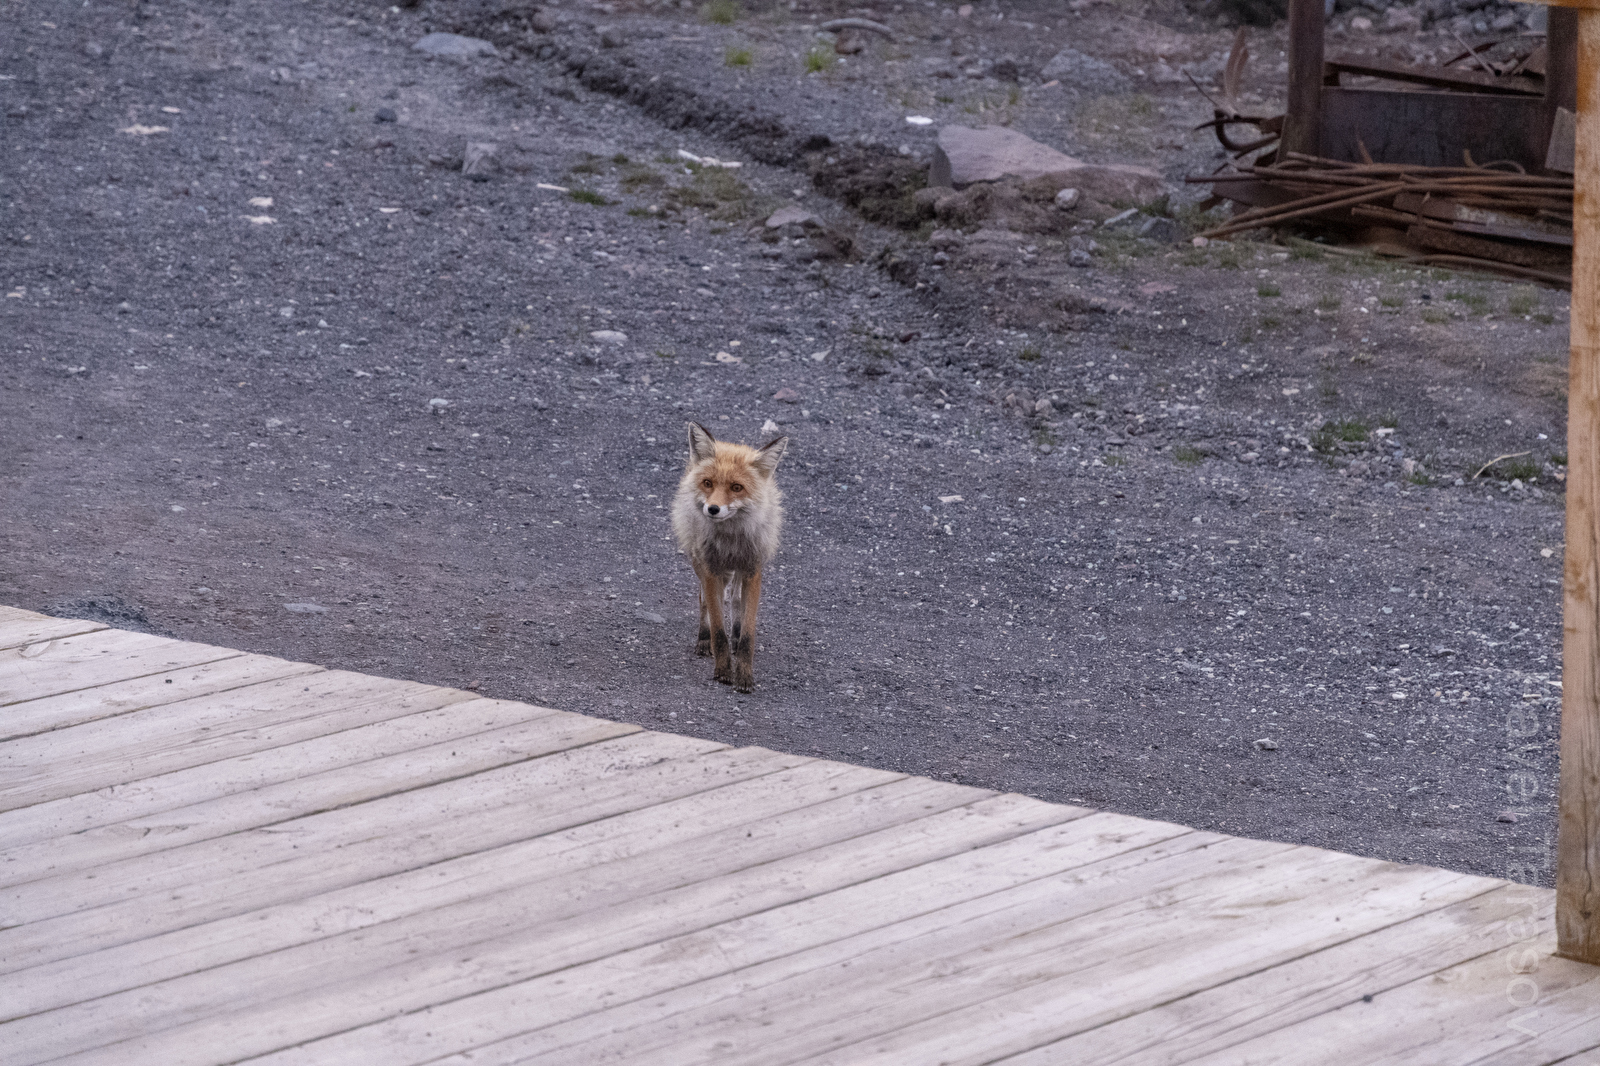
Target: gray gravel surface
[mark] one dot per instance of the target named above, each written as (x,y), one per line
(1091,534)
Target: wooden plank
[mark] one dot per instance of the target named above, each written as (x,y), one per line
(625,1002)
(1219,1018)
(701,839)
(261,1026)
(1440,77)
(107,701)
(837,842)
(234,875)
(172,736)
(1460,1014)
(1433,128)
(451,882)
(38,629)
(1578,836)
(69,664)
(1536,256)
(433,746)
(151,797)
(1013,994)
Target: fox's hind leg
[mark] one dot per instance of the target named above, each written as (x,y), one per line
(744,632)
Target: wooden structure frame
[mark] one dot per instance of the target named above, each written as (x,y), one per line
(1501,118)
(1578,840)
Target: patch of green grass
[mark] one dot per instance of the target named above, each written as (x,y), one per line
(1330,435)
(588,196)
(1522,468)
(1392,301)
(1329,301)
(1267,289)
(621,159)
(637,179)
(1559,460)
(1114,459)
(820,59)
(1042,435)
(1440,275)
(1302,249)
(945,99)
(1030,353)
(665,354)
(1522,300)
(1544,318)
(1270,321)
(738,57)
(1389,420)
(639,212)
(722,12)
(1435,317)
(1186,455)
(1142,106)
(1476,302)
(1014,95)
(590,165)
(1229,259)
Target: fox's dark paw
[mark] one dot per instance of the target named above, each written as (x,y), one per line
(723,676)
(703,649)
(744,678)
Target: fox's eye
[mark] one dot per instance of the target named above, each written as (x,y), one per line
(736,488)
(706,484)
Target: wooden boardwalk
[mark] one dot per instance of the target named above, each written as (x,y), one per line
(213,857)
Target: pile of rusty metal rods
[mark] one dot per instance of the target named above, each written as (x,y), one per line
(1333,186)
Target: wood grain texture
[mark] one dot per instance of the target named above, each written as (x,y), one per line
(1578,840)
(241,859)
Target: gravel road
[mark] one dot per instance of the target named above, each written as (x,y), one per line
(1188,533)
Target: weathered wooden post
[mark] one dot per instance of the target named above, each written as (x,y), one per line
(1578,839)
(1302,129)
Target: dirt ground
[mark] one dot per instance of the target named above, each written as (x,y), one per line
(1237,573)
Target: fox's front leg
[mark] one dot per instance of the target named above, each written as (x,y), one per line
(711,586)
(744,634)
(702,645)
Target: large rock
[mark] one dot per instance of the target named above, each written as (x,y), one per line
(1071,67)
(453,44)
(995,152)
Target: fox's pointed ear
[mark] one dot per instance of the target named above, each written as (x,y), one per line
(702,445)
(767,457)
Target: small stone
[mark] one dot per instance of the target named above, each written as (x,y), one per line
(385,114)
(786,396)
(438,404)
(1264,744)
(945,239)
(479,161)
(612,37)
(793,216)
(649,616)
(1067,199)
(454,45)
(1361,23)
(93,50)
(1249,457)
(769,426)
(609,336)
(1079,258)
(305,608)
(1507,816)
(1044,408)
(124,307)
(1200,242)
(544,20)
(1161,229)
(1046,449)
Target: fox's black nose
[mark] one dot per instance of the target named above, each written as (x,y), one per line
(712,508)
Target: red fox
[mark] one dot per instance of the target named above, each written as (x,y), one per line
(727,516)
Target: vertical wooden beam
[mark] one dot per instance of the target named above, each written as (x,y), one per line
(1578,840)
(1302,126)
